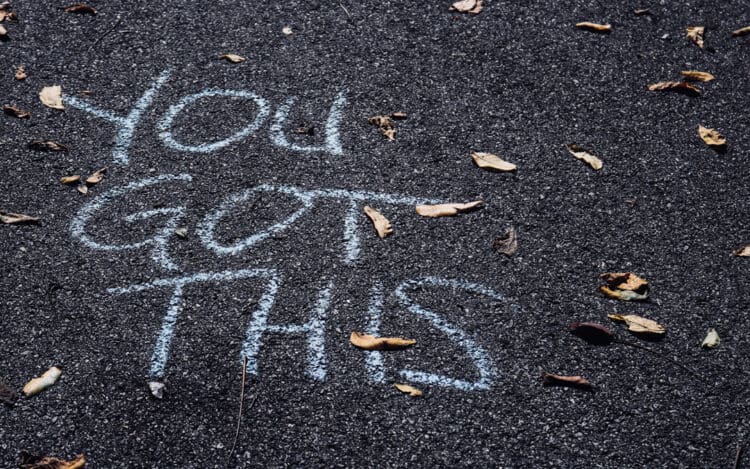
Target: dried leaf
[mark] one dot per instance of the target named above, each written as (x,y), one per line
(83,189)
(599,28)
(398,115)
(642,11)
(507,245)
(70,179)
(47,145)
(585,155)
(639,324)
(14,111)
(743,251)
(96,177)
(382,225)
(21,73)
(695,75)
(37,385)
(386,126)
(549,379)
(410,390)
(51,96)
(695,34)
(8,395)
(676,86)
(712,339)
(370,342)
(181,232)
(624,295)
(157,389)
(592,333)
(80,8)
(490,161)
(28,461)
(711,137)
(10,218)
(625,281)
(741,32)
(446,210)
(235,59)
(3,32)
(287,30)
(467,6)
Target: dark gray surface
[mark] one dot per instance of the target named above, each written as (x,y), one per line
(518,80)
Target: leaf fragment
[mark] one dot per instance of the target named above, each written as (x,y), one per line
(624,295)
(399,115)
(695,75)
(287,30)
(3,32)
(70,179)
(549,379)
(586,156)
(642,11)
(96,177)
(712,339)
(592,333)
(10,218)
(742,251)
(181,232)
(37,385)
(473,7)
(596,27)
(695,34)
(28,461)
(741,32)
(47,145)
(676,86)
(446,210)
(234,58)
(81,8)
(407,389)
(490,161)
(16,112)
(386,126)
(711,137)
(639,324)
(370,342)
(156,388)
(382,225)
(507,245)
(20,73)
(51,96)
(8,395)
(83,189)
(625,281)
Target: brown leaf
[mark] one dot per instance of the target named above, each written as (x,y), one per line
(51,96)
(639,324)
(382,225)
(711,137)
(467,6)
(235,59)
(80,8)
(592,333)
(741,32)
(625,281)
(676,86)
(11,218)
(83,189)
(585,155)
(28,461)
(624,295)
(37,385)
(695,75)
(8,395)
(386,126)
(549,379)
(21,73)
(695,34)
(70,179)
(507,245)
(370,342)
(410,390)
(599,28)
(642,11)
(490,161)
(96,177)
(743,251)
(398,115)
(14,111)
(47,145)
(446,210)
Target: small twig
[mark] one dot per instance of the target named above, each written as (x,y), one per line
(660,355)
(106,33)
(345,10)
(242,399)
(738,457)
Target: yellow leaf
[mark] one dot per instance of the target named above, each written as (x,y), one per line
(96,177)
(639,324)
(490,161)
(599,28)
(410,390)
(10,218)
(697,76)
(370,342)
(677,86)
(743,251)
(51,96)
(382,225)
(70,179)
(233,58)
(37,385)
(585,155)
(467,6)
(712,339)
(446,210)
(695,34)
(711,137)
(741,31)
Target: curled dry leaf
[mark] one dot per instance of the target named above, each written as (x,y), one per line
(625,281)
(10,218)
(386,126)
(8,395)
(96,177)
(21,73)
(624,295)
(467,6)
(742,251)
(81,8)
(599,28)
(592,333)
(382,225)
(695,75)
(712,339)
(695,34)
(28,461)
(235,59)
(14,111)
(741,32)
(398,115)
(37,385)
(676,86)
(585,155)
(47,145)
(410,390)
(549,379)
(70,179)
(639,324)
(51,96)
(711,137)
(156,388)
(446,210)
(490,161)
(507,245)
(370,342)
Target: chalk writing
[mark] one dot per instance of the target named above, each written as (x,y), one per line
(333,140)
